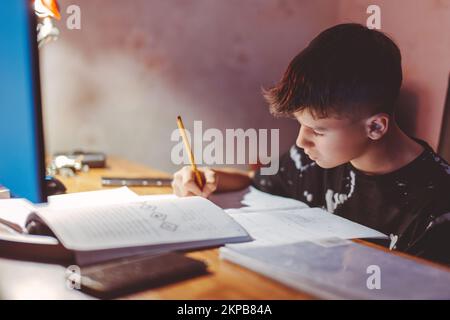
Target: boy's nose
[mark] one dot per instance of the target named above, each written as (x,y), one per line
(302,141)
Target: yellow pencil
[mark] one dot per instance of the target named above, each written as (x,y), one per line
(198,177)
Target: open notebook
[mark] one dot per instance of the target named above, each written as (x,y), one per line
(142,225)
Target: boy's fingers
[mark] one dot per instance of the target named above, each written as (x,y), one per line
(186,193)
(208,189)
(184,183)
(175,180)
(186,175)
(176,189)
(191,187)
(188,182)
(211,182)
(181,192)
(176,177)
(210,176)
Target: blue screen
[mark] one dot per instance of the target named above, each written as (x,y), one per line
(21,141)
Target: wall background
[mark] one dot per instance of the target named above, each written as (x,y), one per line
(118,84)
(421,29)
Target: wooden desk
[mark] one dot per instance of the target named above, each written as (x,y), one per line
(226,281)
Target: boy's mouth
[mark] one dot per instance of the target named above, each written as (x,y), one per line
(310,156)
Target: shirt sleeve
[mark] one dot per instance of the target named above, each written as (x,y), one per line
(433,243)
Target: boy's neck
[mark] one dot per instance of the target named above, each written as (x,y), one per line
(394,151)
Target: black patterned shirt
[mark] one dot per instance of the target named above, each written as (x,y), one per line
(411,204)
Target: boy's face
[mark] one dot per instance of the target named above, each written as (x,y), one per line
(331,141)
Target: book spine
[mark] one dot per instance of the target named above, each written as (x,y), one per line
(4,193)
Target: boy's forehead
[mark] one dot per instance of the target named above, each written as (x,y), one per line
(305,118)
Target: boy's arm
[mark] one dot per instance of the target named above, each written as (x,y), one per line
(233,180)
(285,182)
(433,242)
(216,180)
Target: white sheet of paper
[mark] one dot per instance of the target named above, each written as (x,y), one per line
(92,198)
(26,238)
(152,222)
(289,226)
(154,197)
(15,211)
(256,200)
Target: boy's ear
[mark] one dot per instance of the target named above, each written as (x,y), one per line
(377,126)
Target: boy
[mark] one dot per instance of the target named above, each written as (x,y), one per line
(351,157)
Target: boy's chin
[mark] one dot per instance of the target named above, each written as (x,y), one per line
(327,165)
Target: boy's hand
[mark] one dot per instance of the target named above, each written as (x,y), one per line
(184,184)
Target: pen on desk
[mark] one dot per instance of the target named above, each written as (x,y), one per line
(198,177)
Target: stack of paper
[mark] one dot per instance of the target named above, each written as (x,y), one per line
(336,269)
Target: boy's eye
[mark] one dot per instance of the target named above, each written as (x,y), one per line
(317,133)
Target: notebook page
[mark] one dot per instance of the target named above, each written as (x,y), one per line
(257,200)
(15,211)
(252,199)
(150,222)
(90,198)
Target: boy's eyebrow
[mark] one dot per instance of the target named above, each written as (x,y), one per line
(317,128)
(314,128)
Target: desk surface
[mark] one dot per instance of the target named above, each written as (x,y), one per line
(225,281)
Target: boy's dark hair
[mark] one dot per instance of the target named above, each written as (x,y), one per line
(346,70)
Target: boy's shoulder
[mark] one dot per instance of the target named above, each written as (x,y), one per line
(427,166)
(430,166)
(428,174)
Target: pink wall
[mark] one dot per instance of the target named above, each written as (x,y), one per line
(421,28)
(118,83)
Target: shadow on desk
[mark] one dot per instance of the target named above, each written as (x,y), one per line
(55,254)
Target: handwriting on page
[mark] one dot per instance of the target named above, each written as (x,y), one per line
(140,223)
